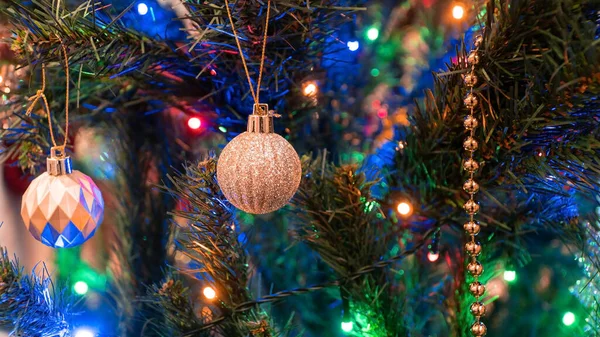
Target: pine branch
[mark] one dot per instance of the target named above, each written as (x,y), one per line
(218,259)
(342,222)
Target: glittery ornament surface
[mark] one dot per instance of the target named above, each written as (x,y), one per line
(62,211)
(259,172)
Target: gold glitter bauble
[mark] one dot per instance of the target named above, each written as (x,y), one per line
(62,211)
(259,172)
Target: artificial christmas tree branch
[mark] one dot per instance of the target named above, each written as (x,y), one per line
(342,221)
(30,305)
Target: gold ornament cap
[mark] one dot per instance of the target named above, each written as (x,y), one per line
(261,120)
(58,163)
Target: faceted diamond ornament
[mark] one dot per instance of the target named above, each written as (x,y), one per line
(62,209)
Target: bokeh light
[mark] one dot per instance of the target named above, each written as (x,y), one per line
(209,293)
(142,8)
(510,275)
(458,11)
(432,257)
(568,318)
(353,45)
(372,33)
(347,326)
(310,88)
(404,208)
(81,288)
(83,332)
(194,123)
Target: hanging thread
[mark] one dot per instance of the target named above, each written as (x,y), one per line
(255,94)
(41,95)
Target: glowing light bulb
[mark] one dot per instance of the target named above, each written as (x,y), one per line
(83,332)
(347,326)
(458,11)
(372,33)
(432,257)
(142,8)
(81,288)
(404,208)
(194,123)
(353,45)
(510,275)
(310,88)
(568,318)
(209,293)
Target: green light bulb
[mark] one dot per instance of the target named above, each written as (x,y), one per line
(81,287)
(568,318)
(510,275)
(372,33)
(347,326)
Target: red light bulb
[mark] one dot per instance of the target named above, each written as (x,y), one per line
(194,123)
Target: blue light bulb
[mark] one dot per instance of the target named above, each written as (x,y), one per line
(353,45)
(142,8)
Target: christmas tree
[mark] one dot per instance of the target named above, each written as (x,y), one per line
(457,203)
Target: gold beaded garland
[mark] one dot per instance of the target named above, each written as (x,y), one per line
(472,227)
(477,309)
(473,248)
(478,329)
(470,186)
(475,268)
(470,165)
(471,123)
(471,207)
(470,144)
(477,289)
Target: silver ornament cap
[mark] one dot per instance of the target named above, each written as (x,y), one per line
(58,163)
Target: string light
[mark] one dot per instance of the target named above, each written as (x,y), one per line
(568,318)
(83,332)
(310,88)
(142,8)
(353,45)
(347,326)
(372,33)
(194,123)
(432,257)
(458,11)
(404,208)
(510,275)
(209,293)
(81,288)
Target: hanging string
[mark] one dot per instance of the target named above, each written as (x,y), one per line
(41,95)
(255,94)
